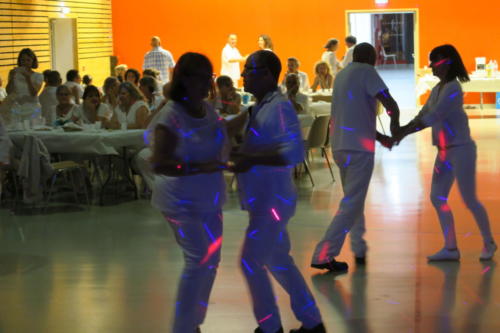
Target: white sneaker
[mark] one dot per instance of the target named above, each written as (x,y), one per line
(488,251)
(445,255)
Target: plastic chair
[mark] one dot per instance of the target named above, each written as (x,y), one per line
(67,169)
(318,138)
(388,56)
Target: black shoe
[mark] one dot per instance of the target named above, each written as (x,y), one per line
(360,261)
(333,266)
(258,330)
(198,330)
(316,329)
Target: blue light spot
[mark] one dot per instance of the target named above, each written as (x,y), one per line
(448,128)
(208,232)
(204,304)
(251,200)
(252,234)
(216,200)
(349,94)
(181,233)
(455,94)
(278,268)
(448,165)
(347,128)
(288,202)
(442,198)
(348,160)
(254,131)
(247,266)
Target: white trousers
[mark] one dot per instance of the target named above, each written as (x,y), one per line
(200,237)
(266,249)
(356,170)
(457,163)
(142,165)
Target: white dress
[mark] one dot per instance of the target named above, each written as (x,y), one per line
(130,118)
(79,87)
(20,103)
(48,101)
(82,116)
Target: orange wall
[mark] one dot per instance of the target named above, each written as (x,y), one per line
(298,27)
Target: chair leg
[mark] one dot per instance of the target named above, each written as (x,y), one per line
(73,184)
(51,188)
(85,190)
(328,162)
(308,172)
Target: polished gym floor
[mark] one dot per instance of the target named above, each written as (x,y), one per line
(114,269)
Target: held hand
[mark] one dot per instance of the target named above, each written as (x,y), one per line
(386,141)
(239,163)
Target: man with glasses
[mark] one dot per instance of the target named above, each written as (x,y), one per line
(272,146)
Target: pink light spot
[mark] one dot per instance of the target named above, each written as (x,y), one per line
(323,254)
(486,270)
(265,318)
(445,208)
(442,145)
(275,214)
(179,166)
(213,248)
(368,144)
(173,221)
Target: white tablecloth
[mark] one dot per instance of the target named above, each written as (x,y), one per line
(101,142)
(320,108)
(476,84)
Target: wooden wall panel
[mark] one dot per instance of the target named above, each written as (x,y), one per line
(25,23)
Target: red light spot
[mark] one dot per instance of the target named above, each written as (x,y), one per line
(214,247)
(442,145)
(323,257)
(445,208)
(368,144)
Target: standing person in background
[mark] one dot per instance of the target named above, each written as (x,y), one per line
(231,59)
(350,42)
(3,92)
(293,65)
(265,43)
(5,146)
(48,97)
(22,89)
(159,59)
(330,57)
(73,82)
(87,81)
(457,151)
(120,71)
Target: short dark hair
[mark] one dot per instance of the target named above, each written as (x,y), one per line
(29,52)
(86,79)
(364,53)
(224,81)
(271,61)
(91,90)
(151,72)
(53,78)
(62,87)
(149,82)
(46,74)
(189,63)
(72,74)
(457,68)
(135,72)
(351,40)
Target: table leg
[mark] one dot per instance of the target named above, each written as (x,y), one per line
(126,172)
(108,179)
(481,100)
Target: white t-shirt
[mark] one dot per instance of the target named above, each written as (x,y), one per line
(48,101)
(303,80)
(131,117)
(79,87)
(273,125)
(303,100)
(444,111)
(331,59)
(27,105)
(3,93)
(200,140)
(354,108)
(348,56)
(231,69)
(82,116)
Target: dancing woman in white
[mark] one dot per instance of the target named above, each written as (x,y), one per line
(456,157)
(188,154)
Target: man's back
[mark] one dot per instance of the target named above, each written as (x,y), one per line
(354,108)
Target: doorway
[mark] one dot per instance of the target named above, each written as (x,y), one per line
(394,34)
(63,44)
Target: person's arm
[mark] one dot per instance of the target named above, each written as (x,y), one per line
(391,107)
(385,140)
(164,162)
(76,94)
(32,87)
(10,84)
(141,118)
(235,125)
(315,83)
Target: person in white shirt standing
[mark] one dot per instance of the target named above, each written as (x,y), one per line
(231,59)
(272,145)
(354,131)
(159,59)
(330,57)
(350,42)
(48,97)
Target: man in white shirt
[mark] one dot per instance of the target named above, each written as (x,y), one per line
(293,65)
(48,98)
(350,42)
(330,57)
(159,59)
(357,89)
(272,146)
(231,59)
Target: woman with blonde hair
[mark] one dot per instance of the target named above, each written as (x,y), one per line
(132,109)
(323,78)
(265,43)
(110,89)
